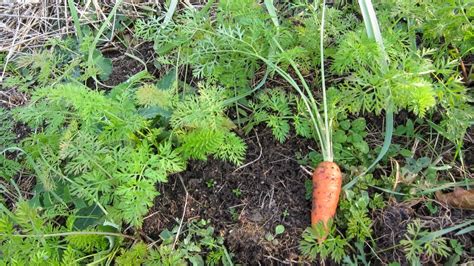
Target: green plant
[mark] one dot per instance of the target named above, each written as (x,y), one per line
(64,60)
(77,145)
(457,247)
(97,155)
(211,183)
(413,167)
(359,224)
(374,84)
(350,148)
(195,43)
(361,256)
(104,151)
(137,254)
(332,247)
(414,248)
(8,167)
(28,236)
(274,107)
(237,192)
(202,128)
(445,31)
(234,214)
(279,229)
(197,246)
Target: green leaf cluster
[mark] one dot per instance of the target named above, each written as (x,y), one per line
(442,33)
(196,245)
(88,141)
(8,167)
(406,81)
(414,248)
(208,41)
(279,110)
(203,129)
(106,152)
(60,61)
(333,247)
(28,237)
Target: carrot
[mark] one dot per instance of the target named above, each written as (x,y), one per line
(327,181)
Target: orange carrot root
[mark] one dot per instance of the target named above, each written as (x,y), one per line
(327,182)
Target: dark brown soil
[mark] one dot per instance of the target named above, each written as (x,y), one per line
(272,190)
(390,227)
(124,66)
(273,184)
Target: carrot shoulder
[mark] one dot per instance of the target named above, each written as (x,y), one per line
(327,182)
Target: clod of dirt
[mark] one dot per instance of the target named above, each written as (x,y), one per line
(255,216)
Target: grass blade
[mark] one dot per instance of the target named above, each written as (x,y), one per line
(371,24)
(433,235)
(465,230)
(170,12)
(101,31)
(388,191)
(386,145)
(75,19)
(272,12)
(464,183)
(373,31)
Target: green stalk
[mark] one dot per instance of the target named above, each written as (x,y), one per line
(75,19)
(272,11)
(373,31)
(101,31)
(309,101)
(170,12)
(329,156)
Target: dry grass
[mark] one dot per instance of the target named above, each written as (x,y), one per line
(26,25)
(29,23)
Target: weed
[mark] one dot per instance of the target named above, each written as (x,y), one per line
(413,248)
(237,192)
(211,183)
(279,229)
(198,239)
(234,214)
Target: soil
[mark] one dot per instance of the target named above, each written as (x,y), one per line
(273,184)
(272,192)
(390,227)
(123,66)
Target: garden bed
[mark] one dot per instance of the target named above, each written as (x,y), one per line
(136,133)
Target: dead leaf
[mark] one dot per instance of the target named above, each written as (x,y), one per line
(459,198)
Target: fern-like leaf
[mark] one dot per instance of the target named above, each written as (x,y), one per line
(232,149)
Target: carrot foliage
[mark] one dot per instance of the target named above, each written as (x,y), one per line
(94,154)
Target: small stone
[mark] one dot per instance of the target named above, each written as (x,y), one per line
(255,216)
(194,182)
